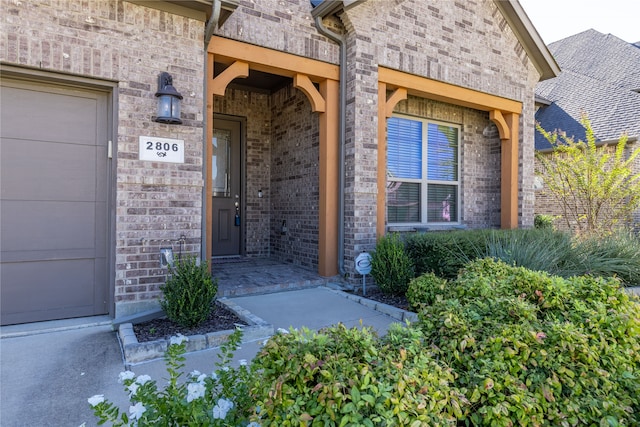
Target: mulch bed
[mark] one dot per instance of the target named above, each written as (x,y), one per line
(220,319)
(373,293)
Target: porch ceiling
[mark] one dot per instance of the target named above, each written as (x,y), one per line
(257,80)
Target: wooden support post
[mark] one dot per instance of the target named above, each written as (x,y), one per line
(329,180)
(509,136)
(385,110)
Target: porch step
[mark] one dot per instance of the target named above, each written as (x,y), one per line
(241,289)
(262,276)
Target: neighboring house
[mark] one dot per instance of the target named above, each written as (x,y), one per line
(601,78)
(309,129)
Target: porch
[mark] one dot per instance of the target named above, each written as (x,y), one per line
(244,276)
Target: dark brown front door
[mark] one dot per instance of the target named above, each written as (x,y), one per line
(227,186)
(54,194)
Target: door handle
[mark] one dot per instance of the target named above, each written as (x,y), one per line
(237,218)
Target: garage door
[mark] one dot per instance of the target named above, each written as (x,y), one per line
(53,202)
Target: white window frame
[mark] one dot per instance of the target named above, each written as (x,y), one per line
(455,222)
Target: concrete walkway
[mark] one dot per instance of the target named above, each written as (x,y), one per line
(49,369)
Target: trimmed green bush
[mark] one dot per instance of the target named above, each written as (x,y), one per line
(391,266)
(555,252)
(424,290)
(349,377)
(188,292)
(533,349)
(445,252)
(498,346)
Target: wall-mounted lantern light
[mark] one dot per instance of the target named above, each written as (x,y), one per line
(168,100)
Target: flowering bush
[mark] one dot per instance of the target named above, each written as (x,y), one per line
(219,399)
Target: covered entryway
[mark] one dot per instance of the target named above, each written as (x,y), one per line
(288,203)
(54,185)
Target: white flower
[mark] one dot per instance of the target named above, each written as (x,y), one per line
(178,339)
(95,400)
(282,331)
(195,373)
(253,424)
(137,410)
(143,379)
(214,376)
(201,378)
(195,391)
(242,362)
(221,408)
(133,389)
(126,375)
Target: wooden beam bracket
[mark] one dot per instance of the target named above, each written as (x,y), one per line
(236,70)
(303,82)
(398,95)
(503,128)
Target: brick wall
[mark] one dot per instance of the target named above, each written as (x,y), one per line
(294,192)
(462,43)
(156,203)
(284,25)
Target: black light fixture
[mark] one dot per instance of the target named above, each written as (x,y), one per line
(168,100)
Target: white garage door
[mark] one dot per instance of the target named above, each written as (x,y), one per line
(53,202)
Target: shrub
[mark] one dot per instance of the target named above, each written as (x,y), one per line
(424,290)
(436,252)
(556,252)
(616,254)
(349,377)
(219,399)
(544,222)
(529,348)
(535,249)
(188,292)
(594,185)
(391,267)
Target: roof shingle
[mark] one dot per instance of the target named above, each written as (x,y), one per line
(600,77)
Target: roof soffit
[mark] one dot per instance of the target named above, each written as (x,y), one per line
(528,36)
(195,9)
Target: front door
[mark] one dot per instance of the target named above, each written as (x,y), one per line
(227,186)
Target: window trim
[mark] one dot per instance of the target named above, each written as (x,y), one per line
(425,181)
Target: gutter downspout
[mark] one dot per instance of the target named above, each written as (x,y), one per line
(216,6)
(208,32)
(341,132)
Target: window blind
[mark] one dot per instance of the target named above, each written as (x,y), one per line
(404,148)
(442,153)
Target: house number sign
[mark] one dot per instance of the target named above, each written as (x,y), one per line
(161,149)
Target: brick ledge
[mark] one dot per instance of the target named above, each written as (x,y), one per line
(135,352)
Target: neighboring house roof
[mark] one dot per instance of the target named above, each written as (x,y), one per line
(600,77)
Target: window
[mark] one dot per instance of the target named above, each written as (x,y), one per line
(422,171)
